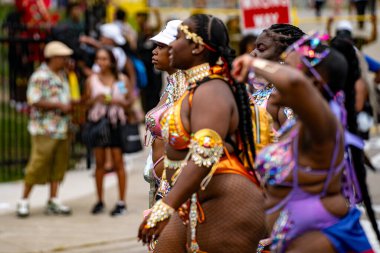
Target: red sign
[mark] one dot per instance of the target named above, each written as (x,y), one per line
(264,13)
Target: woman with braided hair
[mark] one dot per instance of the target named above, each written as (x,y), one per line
(307,181)
(270,45)
(209,139)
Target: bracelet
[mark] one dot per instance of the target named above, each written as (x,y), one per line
(265,65)
(160,212)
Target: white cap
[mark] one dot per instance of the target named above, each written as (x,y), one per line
(113,32)
(344,25)
(169,34)
(56,48)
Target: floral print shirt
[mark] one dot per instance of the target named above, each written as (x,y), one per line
(46,85)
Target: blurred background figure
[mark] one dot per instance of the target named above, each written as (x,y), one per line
(49,96)
(128,31)
(107,96)
(360,6)
(338,7)
(318,5)
(366,102)
(247,44)
(150,95)
(234,31)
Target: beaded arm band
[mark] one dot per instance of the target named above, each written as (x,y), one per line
(206,148)
(160,212)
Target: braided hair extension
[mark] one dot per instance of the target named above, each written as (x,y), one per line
(284,34)
(214,33)
(347,49)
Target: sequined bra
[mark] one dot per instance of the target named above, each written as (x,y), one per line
(152,120)
(172,128)
(174,90)
(275,162)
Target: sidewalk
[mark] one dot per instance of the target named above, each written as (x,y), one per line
(85,233)
(80,232)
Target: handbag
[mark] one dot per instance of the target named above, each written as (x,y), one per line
(130,138)
(97,133)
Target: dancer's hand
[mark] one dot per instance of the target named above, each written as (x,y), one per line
(146,235)
(241,67)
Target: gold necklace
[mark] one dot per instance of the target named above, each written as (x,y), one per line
(178,81)
(197,73)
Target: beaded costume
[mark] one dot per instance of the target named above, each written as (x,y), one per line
(206,149)
(175,88)
(302,211)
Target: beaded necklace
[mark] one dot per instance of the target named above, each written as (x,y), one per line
(198,73)
(260,96)
(176,87)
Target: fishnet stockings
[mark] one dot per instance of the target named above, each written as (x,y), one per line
(234,212)
(173,237)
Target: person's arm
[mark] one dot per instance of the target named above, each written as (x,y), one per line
(131,73)
(87,100)
(329,23)
(210,113)
(296,91)
(361,94)
(373,36)
(90,41)
(127,100)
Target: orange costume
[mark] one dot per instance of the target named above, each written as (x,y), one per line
(206,148)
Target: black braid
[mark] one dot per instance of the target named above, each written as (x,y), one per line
(285,34)
(347,49)
(245,123)
(215,34)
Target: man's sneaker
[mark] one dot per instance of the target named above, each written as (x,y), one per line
(22,208)
(55,207)
(98,208)
(119,209)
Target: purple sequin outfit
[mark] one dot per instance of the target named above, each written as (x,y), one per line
(300,211)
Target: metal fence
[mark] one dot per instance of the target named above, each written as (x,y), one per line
(20,54)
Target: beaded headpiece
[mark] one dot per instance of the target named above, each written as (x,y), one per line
(194,37)
(190,35)
(306,47)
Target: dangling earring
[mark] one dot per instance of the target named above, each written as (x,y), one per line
(193,52)
(220,61)
(281,62)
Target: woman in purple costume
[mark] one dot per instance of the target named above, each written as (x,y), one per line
(305,175)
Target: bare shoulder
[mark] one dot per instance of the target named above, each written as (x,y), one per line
(214,90)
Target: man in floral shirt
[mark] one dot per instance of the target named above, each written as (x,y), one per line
(49,97)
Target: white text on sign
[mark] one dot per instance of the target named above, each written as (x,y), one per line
(263,4)
(265,20)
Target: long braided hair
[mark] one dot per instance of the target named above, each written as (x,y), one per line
(284,34)
(347,49)
(214,33)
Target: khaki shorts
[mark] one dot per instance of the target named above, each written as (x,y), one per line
(49,160)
